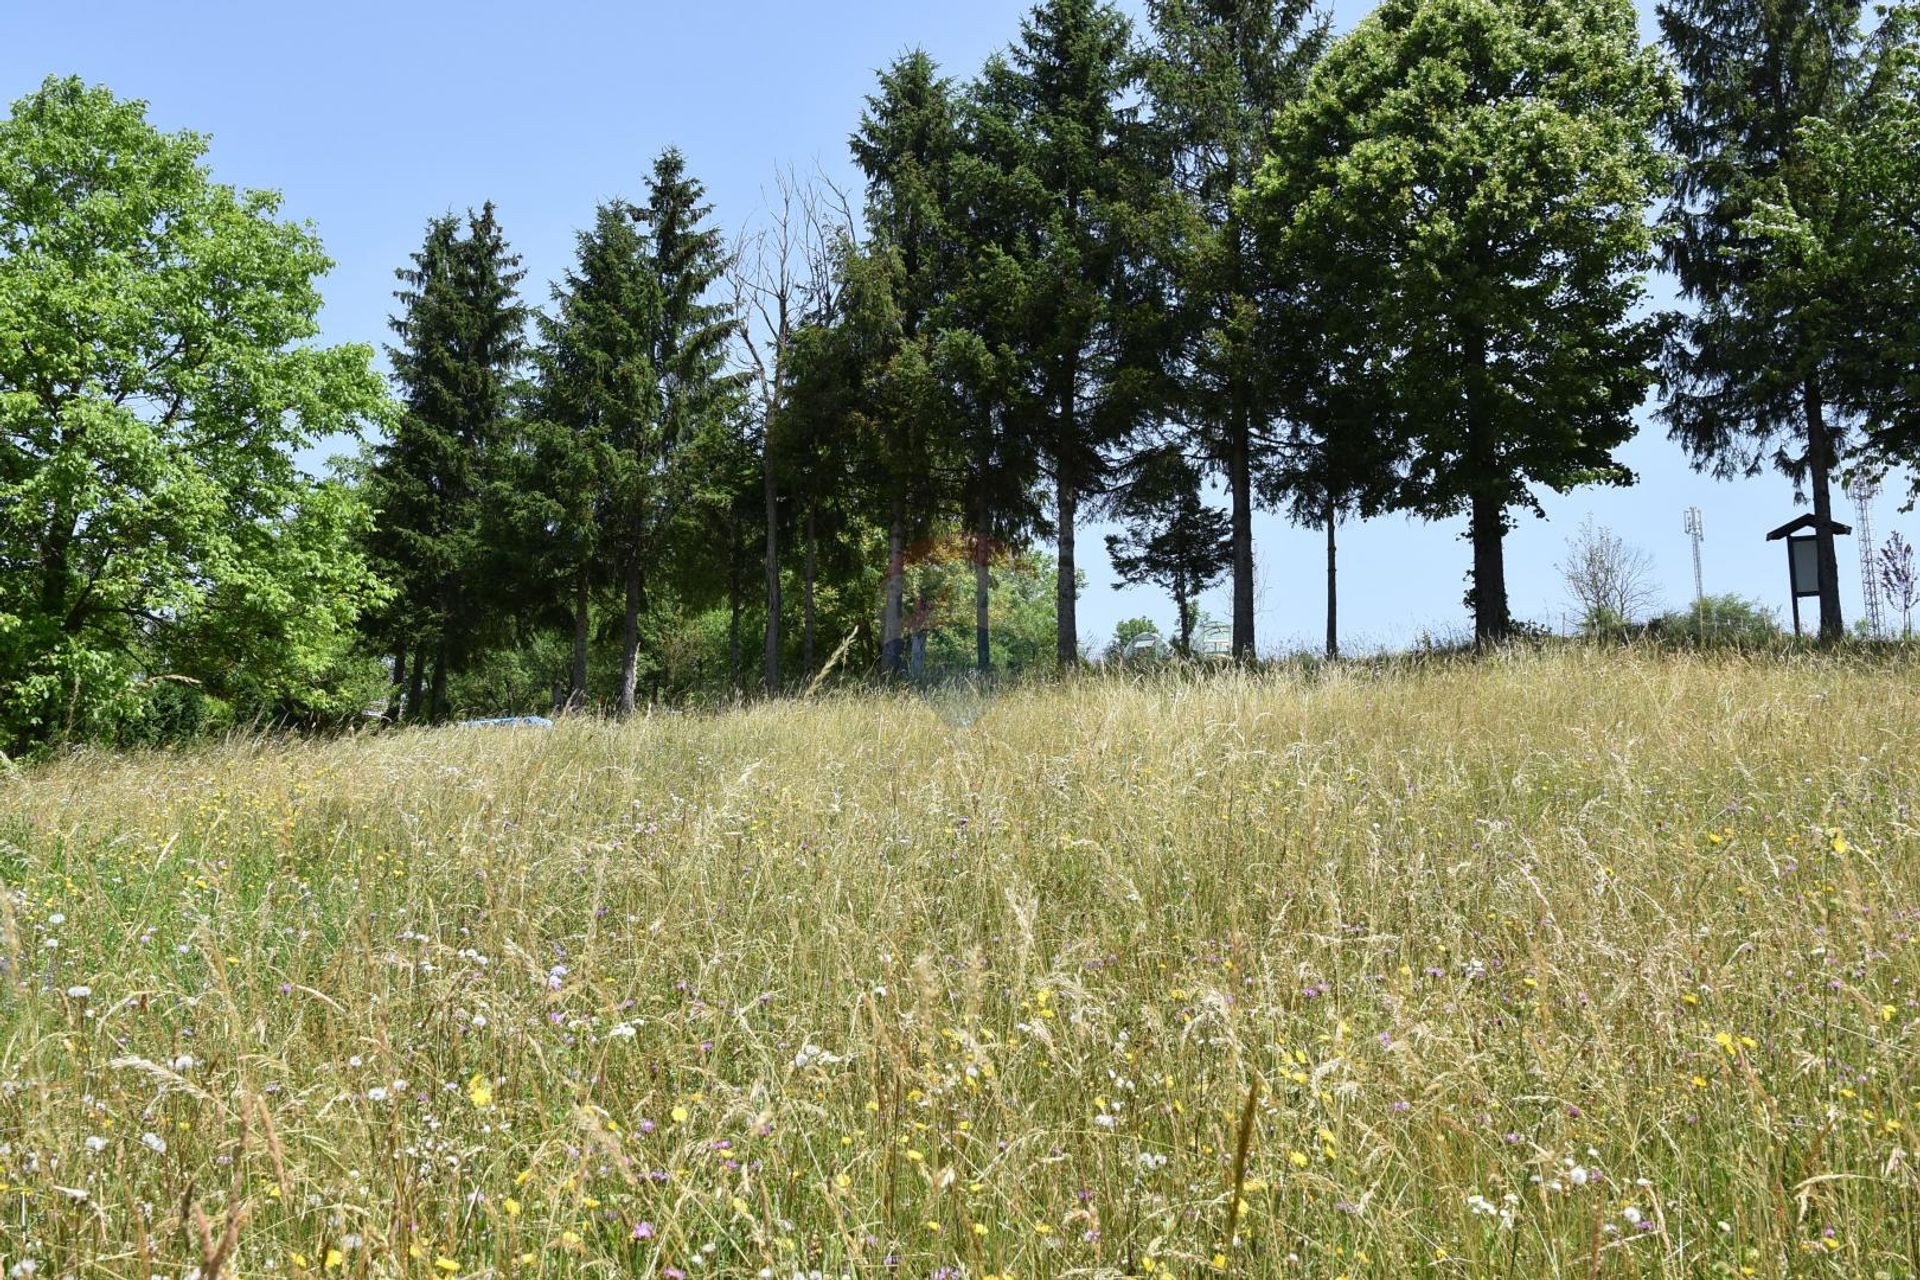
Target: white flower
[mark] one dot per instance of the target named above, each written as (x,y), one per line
(1632,1214)
(1578,1175)
(1104,1120)
(810,1054)
(153,1142)
(58,917)
(79,993)
(377,1094)
(183,1063)
(96,1144)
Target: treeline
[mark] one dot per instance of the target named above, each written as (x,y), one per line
(1404,270)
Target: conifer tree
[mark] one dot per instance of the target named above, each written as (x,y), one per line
(683,340)
(1173,539)
(1218,72)
(457,363)
(598,392)
(905,146)
(1055,121)
(1751,374)
(1840,239)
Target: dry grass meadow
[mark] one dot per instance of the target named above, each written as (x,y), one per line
(1579,964)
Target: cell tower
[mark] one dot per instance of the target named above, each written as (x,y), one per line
(1697,530)
(1863,489)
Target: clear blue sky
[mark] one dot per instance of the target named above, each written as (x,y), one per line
(372,117)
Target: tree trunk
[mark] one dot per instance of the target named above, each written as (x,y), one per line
(1240,482)
(1488,518)
(918,649)
(1183,616)
(437,698)
(416,685)
(1066,583)
(770,676)
(630,639)
(892,659)
(806,593)
(982,613)
(736,592)
(582,621)
(1491,621)
(1819,446)
(397,700)
(1333,583)
(55,550)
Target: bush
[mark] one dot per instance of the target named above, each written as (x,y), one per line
(167,711)
(1725,620)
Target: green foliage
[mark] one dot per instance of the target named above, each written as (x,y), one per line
(1217,74)
(1136,640)
(1173,540)
(1460,197)
(1753,73)
(1067,171)
(940,602)
(436,477)
(1836,239)
(1730,620)
(1756,371)
(157,379)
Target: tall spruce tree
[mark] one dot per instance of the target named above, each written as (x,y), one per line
(1173,540)
(1339,456)
(682,345)
(1859,248)
(996,463)
(1750,376)
(462,343)
(905,146)
(1471,177)
(598,395)
(1056,118)
(1218,72)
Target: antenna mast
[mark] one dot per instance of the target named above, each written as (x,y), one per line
(1697,530)
(1863,489)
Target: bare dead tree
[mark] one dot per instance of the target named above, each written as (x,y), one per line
(783,276)
(1610,580)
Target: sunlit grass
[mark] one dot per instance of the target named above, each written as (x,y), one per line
(1580,964)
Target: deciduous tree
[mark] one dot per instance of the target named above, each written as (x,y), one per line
(158,379)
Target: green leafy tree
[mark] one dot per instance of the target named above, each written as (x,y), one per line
(1172,540)
(458,364)
(1134,639)
(1753,369)
(1055,118)
(1218,72)
(1470,177)
(157,378)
